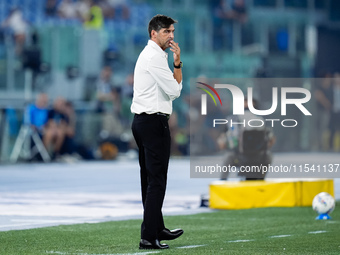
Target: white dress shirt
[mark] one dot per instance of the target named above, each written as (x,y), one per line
(154,86)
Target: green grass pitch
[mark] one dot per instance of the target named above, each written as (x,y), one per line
(253,231)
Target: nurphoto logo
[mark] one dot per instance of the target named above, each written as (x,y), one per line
(238,104)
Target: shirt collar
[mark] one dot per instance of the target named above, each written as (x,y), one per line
(157,48)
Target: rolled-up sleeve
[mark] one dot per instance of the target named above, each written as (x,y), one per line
(160,71)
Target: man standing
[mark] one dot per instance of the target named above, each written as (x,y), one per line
(155,87)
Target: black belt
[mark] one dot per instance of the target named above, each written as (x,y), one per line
(157,113)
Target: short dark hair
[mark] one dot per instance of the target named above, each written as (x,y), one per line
(160,21)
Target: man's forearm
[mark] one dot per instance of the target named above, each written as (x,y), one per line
(178,74)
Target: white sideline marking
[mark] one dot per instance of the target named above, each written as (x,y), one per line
(29,222)
(138,253)
(240,241)
(65,253)
(332,222)
(15,225)
(191,246)
(39,221)
(317,232)
(279,236)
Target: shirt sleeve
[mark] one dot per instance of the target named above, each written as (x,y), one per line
(160,71)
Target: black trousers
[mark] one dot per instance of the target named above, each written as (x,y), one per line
(152,136)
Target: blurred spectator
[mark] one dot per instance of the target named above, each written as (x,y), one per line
(61,130)
(37,114)
(179,143)
(83,8)
(112,126)
(51,8)
(66,109)
(16,23)
(224,13)
(111,118)
(335,115)
(104,88)
(56,128)
(238,11)
(126,93)
(222,27)
(324,97)
(36,117)
(109,103)
(127,89)
(70,146)
(120,9)
(94,19)
(107,10)
(67,9)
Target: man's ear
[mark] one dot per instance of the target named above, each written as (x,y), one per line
(153,33)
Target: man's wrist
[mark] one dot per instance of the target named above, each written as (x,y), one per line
(178,64)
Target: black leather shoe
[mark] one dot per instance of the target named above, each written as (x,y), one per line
(167,234)
(145,244)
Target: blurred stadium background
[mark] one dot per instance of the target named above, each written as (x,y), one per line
(64,56)
(52,49)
